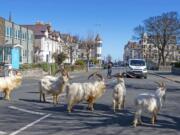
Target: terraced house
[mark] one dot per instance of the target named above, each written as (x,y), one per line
(47,41)
(16,43)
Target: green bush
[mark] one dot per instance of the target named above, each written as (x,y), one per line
(45,66)
(80,63)
(29,66)
(94,61)
(53,67)
(177,64)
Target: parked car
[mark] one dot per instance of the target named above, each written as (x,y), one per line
(137,68)
(4,69)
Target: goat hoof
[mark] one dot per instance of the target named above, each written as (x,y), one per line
(134,125)
(69,111)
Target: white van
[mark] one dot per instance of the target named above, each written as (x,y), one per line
(137,68)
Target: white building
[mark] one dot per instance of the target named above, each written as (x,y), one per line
(95,51)
(132,50)
(145,50)
(47,42)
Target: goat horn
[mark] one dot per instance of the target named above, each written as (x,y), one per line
(57,71)
(92,75)
(62,71)
(163,84)
(100,76)
(117,75)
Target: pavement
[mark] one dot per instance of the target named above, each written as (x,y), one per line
(25,115)
(167,75)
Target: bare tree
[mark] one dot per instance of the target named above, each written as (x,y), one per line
(162,31)
(88,44)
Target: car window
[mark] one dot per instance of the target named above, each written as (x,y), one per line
(137,63)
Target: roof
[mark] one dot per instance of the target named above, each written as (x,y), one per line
(38,29)
(97,38)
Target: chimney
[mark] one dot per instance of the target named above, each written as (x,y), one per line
(10,17)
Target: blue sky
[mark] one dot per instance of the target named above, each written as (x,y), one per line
(113,19)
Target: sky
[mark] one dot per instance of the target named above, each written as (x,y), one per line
(114,20)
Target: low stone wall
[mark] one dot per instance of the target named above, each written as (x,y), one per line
(165,68)
(33,73)
(175,71)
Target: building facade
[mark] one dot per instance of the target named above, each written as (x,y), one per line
(95,50)
(132,50)
(146,50)
(13,35)
(47,42)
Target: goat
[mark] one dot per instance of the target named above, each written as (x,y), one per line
(53,85)
(88,91)
(152,102)
(9,83)
(119,92)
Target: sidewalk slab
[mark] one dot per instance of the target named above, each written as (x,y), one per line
(166,75)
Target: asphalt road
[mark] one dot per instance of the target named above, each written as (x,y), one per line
(25,115)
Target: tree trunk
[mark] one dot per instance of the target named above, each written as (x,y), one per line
(87,65)
(163,56)
(159,58)
(163,60)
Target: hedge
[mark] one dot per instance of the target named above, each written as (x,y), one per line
(177,64)
(53,67)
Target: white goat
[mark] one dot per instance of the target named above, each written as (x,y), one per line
(9,83)
(152,102)
(119,92)
(53,85)
(90,92)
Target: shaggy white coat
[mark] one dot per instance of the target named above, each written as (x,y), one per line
(119,94)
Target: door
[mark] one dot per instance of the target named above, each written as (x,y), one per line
(15,58)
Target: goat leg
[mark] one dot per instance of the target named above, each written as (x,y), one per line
(123,102)
(114,105)
(44,98)
(7,94)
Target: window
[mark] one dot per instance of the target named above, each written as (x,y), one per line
(22,36)
(19,34)
(7,31)
(16,34)
(98,55)
(11,32)
(25,35)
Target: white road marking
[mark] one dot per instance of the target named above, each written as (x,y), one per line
(24,110)
(2,133)
(29,125)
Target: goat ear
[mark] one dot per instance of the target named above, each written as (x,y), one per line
(100,76)
(91,75)
(68,75)
(163,84)
(118,75)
